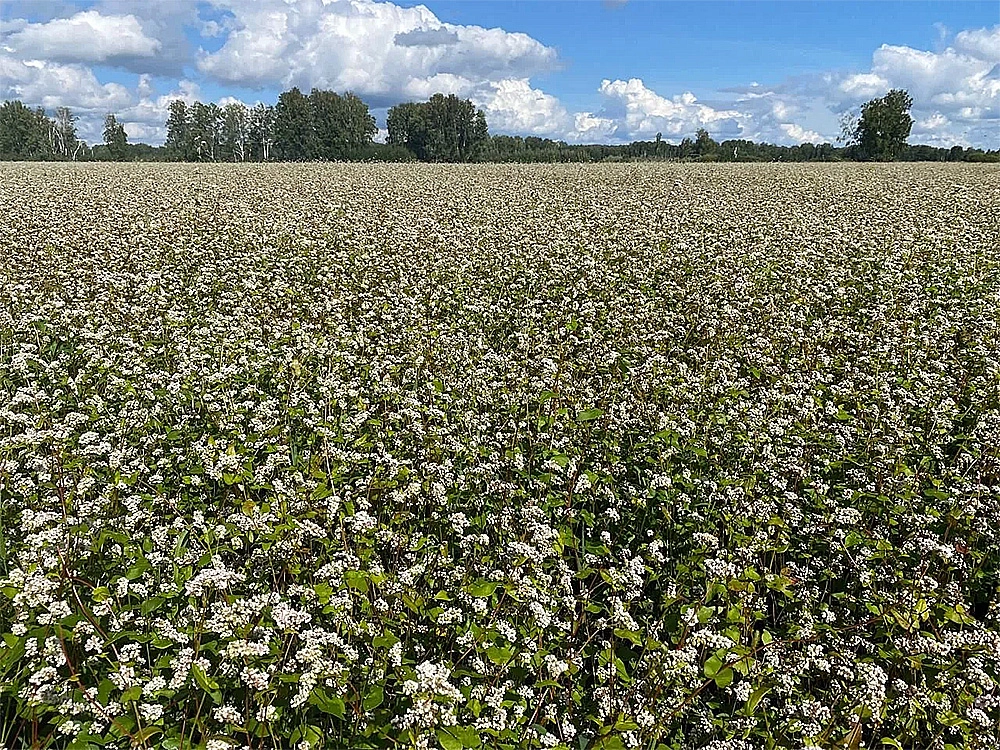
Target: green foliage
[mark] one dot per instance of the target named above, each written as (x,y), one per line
(178,142)
(115,138)
(295,136)
(704,146)
(374,460)
(344,128)
(24,132)
(883,127)
(321,126)
(443,129)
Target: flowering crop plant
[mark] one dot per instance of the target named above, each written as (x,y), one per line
(588,457)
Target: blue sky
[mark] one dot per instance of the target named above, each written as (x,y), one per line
(580,71)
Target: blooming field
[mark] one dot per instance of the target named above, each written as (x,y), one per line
(589,457)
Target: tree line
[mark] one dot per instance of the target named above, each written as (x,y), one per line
(327,126)
(322,125)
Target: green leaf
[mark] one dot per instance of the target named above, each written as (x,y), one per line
(328,704)
(483,589)
(145,733)
(629,635)
(374,698)
(104,691)
(724,678)
(589,415)
(356,579)
(499,655)
(141,566)
(755,698)
(468,736)
(205,682)
(323,592)
(386,640)
(712,666)
(449,741)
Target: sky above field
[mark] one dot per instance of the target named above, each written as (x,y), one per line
(590,72)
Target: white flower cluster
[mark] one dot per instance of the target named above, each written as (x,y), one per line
(687,455)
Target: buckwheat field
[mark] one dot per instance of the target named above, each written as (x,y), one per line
(382,456)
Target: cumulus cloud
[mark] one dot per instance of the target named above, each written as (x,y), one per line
(981,43)
(864,85)
(640,112)
(957,89)
(51,84)
(381,51)
(425,37)
(801,135)
(630,111)
(387,53)
(513,106)
(87,36)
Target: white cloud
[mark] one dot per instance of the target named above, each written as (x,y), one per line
(934,122)
(864,85)
(801,135)
(388,53)
(957,88)
(588,128)
(981,43)
(379,50)
(140,132)
(639,112)
(439,83)
(960,83)
(143,115)
(50,85)
(513,106)
(87,36)
(936,77)
(630,111)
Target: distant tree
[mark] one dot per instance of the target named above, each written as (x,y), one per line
(342,124)
(202,133)
(24,132)
(444,129)
(703,143)
(406,126)
(294,136)
(178,141)
(883,127)
(115,138)
(260,131)
(67,144)
(234,132)
(215,131)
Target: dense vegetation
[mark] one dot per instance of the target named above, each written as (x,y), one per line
(443,129)
(629,456)
(326,126)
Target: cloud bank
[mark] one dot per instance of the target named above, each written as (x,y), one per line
(387,53)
